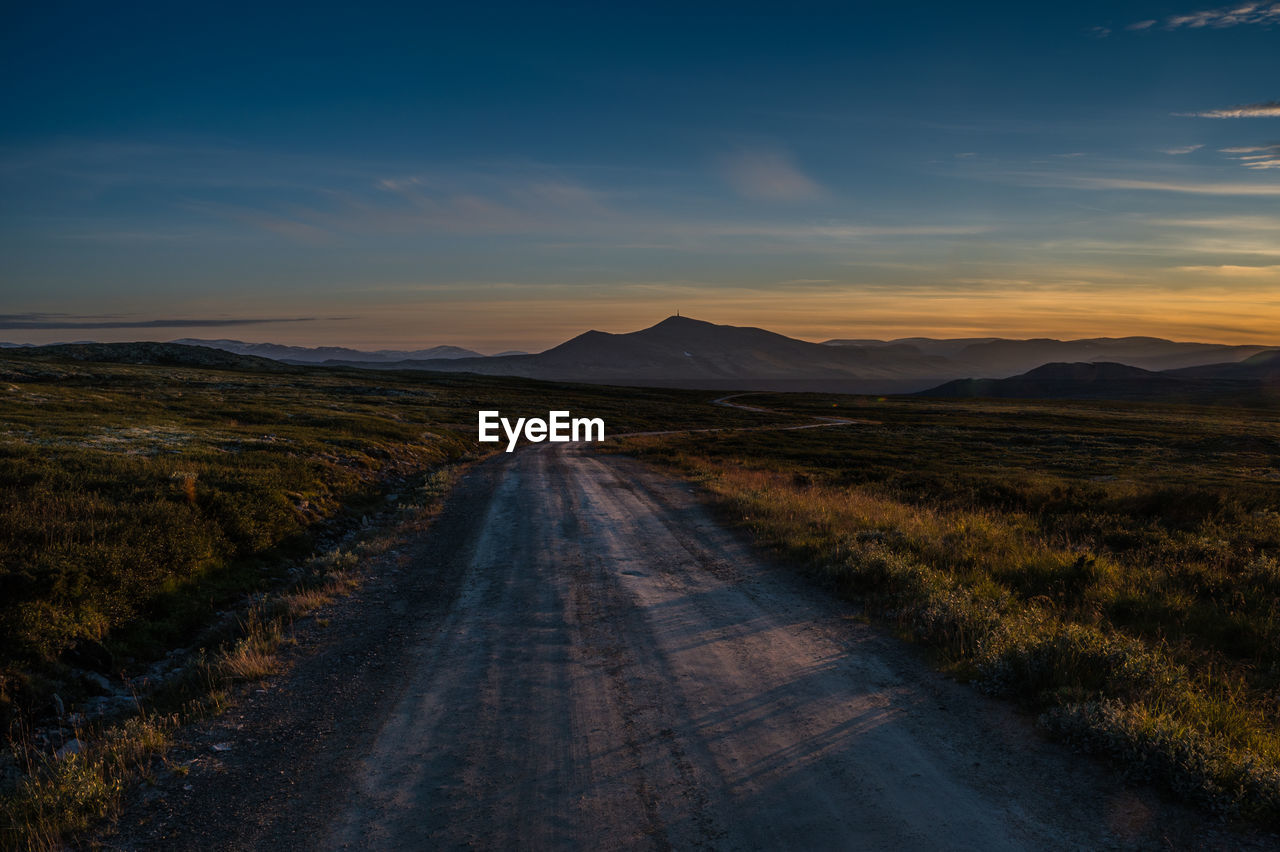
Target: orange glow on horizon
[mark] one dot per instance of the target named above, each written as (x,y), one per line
(1244,310)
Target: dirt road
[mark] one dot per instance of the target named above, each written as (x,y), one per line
(579,656)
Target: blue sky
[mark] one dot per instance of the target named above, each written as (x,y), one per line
(505,177)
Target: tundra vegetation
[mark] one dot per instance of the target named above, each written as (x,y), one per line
(150,508)
(1113,567)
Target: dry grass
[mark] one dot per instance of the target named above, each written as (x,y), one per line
(62,796)
(1139,621)
(253,656)
(295,605)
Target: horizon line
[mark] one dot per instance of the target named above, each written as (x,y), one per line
(371,347)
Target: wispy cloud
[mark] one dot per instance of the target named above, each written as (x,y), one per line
(837,231)
(1263,14)
(69,322)
(481,203)
(1265,109)
(1256,157)
(1182,149)
(1224,223)
(768,175)
(1102,183)
(1233,271)
(197,191)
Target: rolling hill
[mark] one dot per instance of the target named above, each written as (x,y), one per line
(993,357)
(163,354)
(1253,381)
(317,354)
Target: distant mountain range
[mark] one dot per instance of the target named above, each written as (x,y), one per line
(163,354)
(684,352)
(1254,380)
(994,357)
(318,354)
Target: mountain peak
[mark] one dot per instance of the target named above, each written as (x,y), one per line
(677,321)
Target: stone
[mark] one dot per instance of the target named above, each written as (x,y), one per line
(97,683)
(72,746)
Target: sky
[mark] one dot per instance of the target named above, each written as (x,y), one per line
(507,176)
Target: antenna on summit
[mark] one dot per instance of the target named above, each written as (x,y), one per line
(677,312)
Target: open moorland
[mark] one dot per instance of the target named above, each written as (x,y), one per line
(141,504)
(134,500)
(1113,567)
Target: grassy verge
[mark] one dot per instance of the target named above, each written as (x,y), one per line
(1112,568)
(62,796)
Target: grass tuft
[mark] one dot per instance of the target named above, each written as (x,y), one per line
(60,797)
(253,656)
